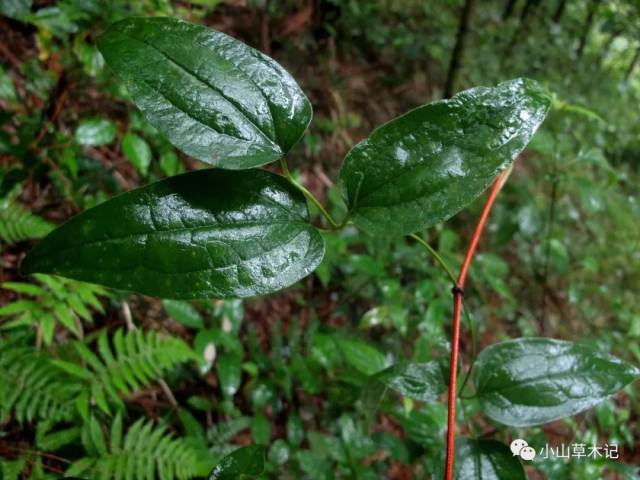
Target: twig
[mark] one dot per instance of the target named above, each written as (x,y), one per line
(547,246)
(35,452)
(458,292)
(128,320)
(4,50)
(56,112)
(168,393)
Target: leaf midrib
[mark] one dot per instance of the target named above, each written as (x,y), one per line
(560,375)
(184,229)
(205,82)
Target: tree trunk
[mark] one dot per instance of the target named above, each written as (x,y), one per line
(508,9)
(593,8)
(633,64)
(528,8)
(458,49)
(522,28)
(559,11)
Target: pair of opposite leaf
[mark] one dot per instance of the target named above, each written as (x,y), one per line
(238,231)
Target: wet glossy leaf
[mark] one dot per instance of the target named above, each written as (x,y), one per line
(95,132)
(420,169)
(137,150)
(209,233)
(244,461)
(214,97)
(530,381)
(420,381)
(486,460)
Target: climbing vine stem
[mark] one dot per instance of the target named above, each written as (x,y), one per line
(458,293)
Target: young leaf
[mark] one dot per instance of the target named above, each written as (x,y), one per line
(244,461)
(486,460)
(422,168)
(530,381)
(184,313)
(361,356)
(209,233)
(229,368)
(137,151)
(95,131)
(214,97)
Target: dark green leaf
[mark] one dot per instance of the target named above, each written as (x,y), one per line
(214,97)
(244,461)
(486,460)
(530,381)
(420,381)
(209,233)
(422,168)
(95,132)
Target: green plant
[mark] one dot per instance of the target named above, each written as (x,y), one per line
(136,359)
(34,388)
(240,232)
(55,300)
(18,224)
(143,451)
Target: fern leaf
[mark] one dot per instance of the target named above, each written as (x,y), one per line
(128,363)
(56,300)
(11,470)
(32,387)
(18,224)
(146,451)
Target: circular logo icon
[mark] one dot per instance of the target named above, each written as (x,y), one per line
(517,445)
(527,453)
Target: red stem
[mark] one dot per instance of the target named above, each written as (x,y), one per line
(458,292)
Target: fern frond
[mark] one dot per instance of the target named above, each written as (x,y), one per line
(32,388)
(55,300)
(11,470)
(18,224)
(128,363)
(146,451)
